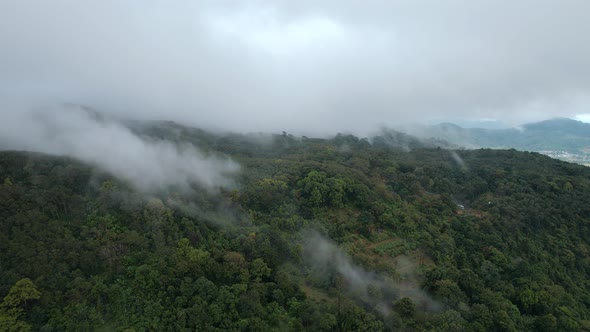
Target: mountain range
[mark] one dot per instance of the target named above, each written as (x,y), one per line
(560,138)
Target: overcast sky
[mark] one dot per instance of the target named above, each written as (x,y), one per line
(300,66)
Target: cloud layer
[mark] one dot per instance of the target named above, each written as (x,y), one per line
(302,66)
(147,164)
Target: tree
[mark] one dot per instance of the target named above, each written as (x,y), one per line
(14,304)
(259,269)
(314,188)
(546,323)
(405,307)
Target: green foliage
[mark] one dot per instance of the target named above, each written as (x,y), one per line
(24,290)
(405,307)
(499,244)
(14,305)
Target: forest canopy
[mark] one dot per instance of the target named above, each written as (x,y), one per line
(339,234)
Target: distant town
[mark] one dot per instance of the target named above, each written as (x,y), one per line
(583,159)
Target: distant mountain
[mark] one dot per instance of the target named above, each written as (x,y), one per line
(561,138)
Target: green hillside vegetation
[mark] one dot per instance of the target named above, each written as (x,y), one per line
(341,234)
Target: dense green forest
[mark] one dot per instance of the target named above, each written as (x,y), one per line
(340,234)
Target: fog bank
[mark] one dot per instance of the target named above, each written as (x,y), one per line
(149,165)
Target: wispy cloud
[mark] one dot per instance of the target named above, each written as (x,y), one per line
(325,258)
(149,165)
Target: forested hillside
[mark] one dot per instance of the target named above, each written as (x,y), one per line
(341,234)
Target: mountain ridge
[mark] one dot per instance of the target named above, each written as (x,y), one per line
(561,138)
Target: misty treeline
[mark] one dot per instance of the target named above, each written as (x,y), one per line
(340,234)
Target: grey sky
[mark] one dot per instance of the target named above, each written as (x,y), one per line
(300,66)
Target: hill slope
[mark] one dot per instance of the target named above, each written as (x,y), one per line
(318,234)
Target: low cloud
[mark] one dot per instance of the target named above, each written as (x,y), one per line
(306,67)
(148,165)
(325,258)
(458,160)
